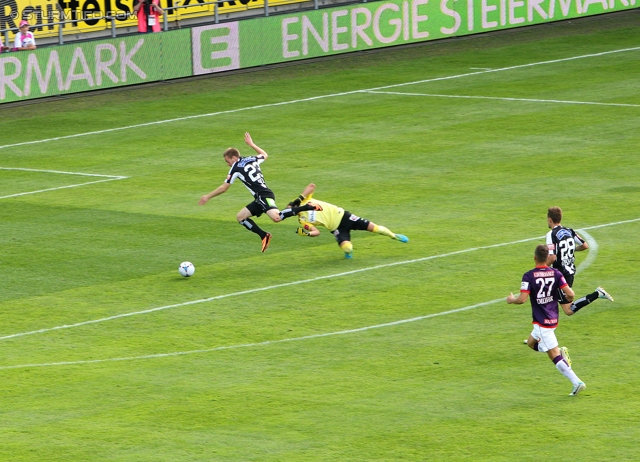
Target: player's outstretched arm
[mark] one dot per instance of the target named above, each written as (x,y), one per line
(308,230)
(309,190)
(216,192)
(254,146)
(306,192)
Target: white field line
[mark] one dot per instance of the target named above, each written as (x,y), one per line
(593,251)
(593,247)
(108,178)
(530,100)
(332,95)
(61,172)
(262,289)
(257,344)
(292,283)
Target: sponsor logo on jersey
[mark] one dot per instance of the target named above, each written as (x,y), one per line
(563,234)
(245,160)
(551,321)
(524,286)
(542,274)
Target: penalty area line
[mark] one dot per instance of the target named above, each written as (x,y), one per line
(59,172)
(59,187)
(332,95)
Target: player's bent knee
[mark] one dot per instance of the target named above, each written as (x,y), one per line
(346,246)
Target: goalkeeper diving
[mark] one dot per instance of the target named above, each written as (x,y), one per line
(313,213)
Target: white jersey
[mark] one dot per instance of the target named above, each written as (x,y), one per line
(24,40)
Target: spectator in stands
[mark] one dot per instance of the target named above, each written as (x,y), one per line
(148,12)
(24,39)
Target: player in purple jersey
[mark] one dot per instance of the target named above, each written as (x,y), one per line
(247,170)
(542,285)
(563,243)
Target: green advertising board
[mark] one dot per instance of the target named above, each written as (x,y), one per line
(94,65)
(371,25)
(256,42)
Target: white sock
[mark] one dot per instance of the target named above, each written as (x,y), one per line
(566,370)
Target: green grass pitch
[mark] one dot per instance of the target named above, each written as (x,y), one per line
(406,352)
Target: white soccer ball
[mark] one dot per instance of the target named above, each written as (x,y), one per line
(186,269)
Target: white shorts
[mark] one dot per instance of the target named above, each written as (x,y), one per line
(546,337)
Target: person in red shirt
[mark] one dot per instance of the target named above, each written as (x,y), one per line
(148,12)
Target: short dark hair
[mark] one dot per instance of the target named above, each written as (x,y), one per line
(231,152)
(541,254)
(555,213)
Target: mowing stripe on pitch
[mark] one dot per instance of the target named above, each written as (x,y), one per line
(257,344)
(231,111)
(593,245)
(288,284)
(497,98)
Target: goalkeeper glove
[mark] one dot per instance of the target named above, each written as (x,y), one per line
(302,232)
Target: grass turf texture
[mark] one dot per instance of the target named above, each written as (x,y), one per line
(452,174)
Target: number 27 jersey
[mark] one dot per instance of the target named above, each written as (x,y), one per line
(542,284)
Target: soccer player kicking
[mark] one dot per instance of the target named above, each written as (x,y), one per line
(247,170)
(544,285)
(334,218)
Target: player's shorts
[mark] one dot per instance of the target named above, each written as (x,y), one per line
(562,299)
(546,337)
(349,222)
(264,201)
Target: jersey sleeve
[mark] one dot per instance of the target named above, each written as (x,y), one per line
(579,239)
(525,284)
(230,176)
(550,243)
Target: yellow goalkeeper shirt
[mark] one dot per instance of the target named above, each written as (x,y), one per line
(329,217)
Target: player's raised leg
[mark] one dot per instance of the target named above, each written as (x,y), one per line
(588,299)
(378,229)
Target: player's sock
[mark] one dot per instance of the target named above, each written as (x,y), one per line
(251,226)
(384,231)
(296,202)
(584,301)
(347,248)
(566,370)
(290,212)
(286,213)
